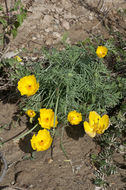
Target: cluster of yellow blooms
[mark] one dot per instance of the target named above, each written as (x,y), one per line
(28,86)
(43,140)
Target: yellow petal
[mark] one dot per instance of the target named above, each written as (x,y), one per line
(104,123)
(89,130)
(94,118)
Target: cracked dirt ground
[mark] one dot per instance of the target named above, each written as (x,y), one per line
(48,21)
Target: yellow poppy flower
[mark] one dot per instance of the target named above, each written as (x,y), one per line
(28,85)
(74,117)
(97,124)
(101,51)
(30,113)
(46,119)
(42,141)
(18,58)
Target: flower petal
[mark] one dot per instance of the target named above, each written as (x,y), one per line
(103,124)
(89,130)
(94,118)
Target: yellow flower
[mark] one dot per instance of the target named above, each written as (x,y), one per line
(97,124)
(28,85)
(74,117)
(18,58)
(101,51)
(42,141)
(46,119)
(31,113)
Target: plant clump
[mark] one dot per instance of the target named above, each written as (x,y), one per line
(80,79)
(67,87)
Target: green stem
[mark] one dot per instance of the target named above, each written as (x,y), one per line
(55,113)
(56,108)
(61,145)
(50,98)
(67,90)
(23,135)
(54,129)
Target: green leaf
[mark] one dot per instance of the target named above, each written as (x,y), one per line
(3,22)
(14,32)
(16,24)
(20,19)
(1,8)
(93,156)
(17,4)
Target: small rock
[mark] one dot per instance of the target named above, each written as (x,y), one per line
(56,16)
(50,29)
(55,27)
(56,35)
(47,19)
(66,4)
(8,55)
(9,188)
(58,10)
(50,161)
(53,1)
(34,38)
(122,149)
(66,25)
(38,36)
(91,16)
(68,15)
(57,21)
(31,186)
(49,41)
(22,46)
(98,188)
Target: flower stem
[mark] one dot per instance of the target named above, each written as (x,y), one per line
(57,101)
(23,135)
(61,145)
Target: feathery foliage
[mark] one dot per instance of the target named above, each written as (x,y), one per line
(82,79)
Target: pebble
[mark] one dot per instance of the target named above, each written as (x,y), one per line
(66,4)
(49,41)
(50,29)
(47,19)
(56,35)
(34,38)
(66,25)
